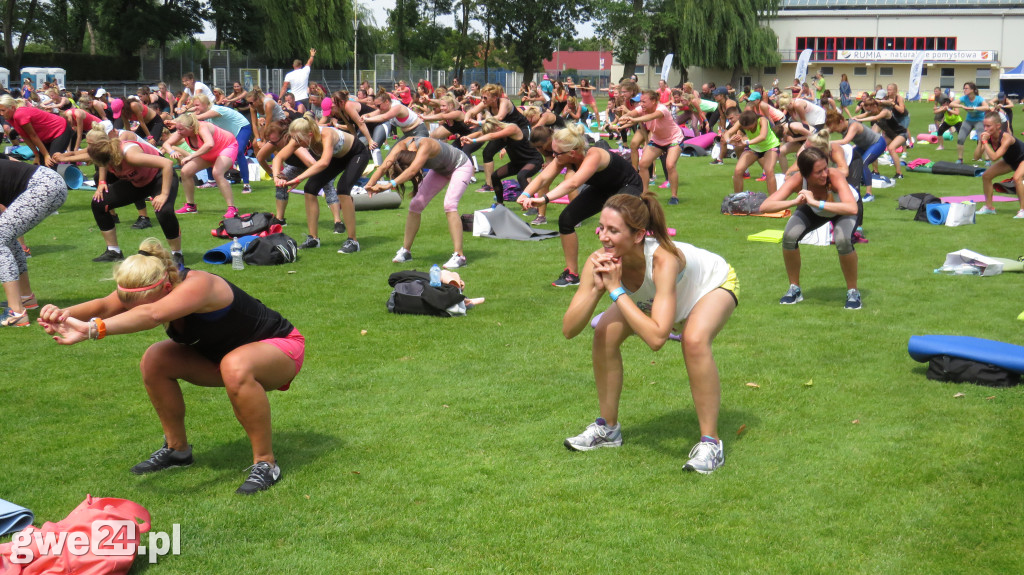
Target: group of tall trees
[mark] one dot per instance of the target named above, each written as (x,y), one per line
(457,34)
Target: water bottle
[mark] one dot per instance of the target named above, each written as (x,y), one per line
(959,270)
(236,255)
(435,275)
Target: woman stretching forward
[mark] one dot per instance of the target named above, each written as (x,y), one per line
(656,286)
(447,165)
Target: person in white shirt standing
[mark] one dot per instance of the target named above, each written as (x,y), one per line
(298,80)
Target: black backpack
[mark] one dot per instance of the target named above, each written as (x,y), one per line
(244,225)
(743,203)
(959,370)
(271,250)
(919,203)
(413,294)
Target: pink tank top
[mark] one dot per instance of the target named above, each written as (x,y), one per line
(137,176)
(221,139)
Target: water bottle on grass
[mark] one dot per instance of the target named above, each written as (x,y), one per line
(435,275)
(236,255)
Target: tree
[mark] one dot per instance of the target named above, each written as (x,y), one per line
(65,23)
(295,28)
(627,23)
(18,20)
(237,25)
(531,29)
(127,25)
(723,34)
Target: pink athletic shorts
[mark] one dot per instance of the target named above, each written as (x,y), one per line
(294,346)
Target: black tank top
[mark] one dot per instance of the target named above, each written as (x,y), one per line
(618,174)
(516,117)
(14,177)
(215,334)
(364,109)
(458,127)
(559,121)
(522,152)
(891,126)
(1015,153)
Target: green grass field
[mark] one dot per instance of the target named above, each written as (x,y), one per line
(434,445)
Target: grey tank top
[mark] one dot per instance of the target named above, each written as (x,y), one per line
(447,160)
(865,138)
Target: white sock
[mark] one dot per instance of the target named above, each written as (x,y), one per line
(114,249)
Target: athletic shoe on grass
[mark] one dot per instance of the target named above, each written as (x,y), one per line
(717,162)
(664,185)
(261,477)
(142,223)
(852,299)
(794,295)
(1020,215)
(186,209)
(402,255)
(566,279)
(350,246)
(246,189)
(164,458)
(455,262)
(231,212)
(539,221)
(705,457)
(310,242)
(673,201)
(339,227)
(109,256)
(985,211)
(29,302)
(531,212)
(179,260)
(11,319)
(597,434)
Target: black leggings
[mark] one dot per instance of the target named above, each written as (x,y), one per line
(155,127)
(350,166)
(944,126)
(60,144)
(122,193)
(522,172)
(589,202)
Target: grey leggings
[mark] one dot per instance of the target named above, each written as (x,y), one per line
(965,130)
(805,220)
(45,193)
(290,171)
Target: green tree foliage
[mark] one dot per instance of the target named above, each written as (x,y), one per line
(293,29)
(627,24)
(19,20)
(531,30)
(64,24)
(126,25)
(724,34)
(237,25)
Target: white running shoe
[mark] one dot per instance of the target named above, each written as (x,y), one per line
(705,457)
(455,262)
(597,434)
(403,255)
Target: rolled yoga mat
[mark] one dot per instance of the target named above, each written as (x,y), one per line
(72,175)
(937,213)
(930,138)
(14,517)
(1005,355)
(952,169)
(222,254)
(700,145)
(382,201)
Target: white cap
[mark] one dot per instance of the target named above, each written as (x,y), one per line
(100,92)
(108,126)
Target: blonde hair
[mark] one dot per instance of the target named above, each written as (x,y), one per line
(102,149)
(492,124)
(147,268)
(307,126)
(532,113)
(493,90)
(820,140)
(187,121)
(571,139)
(6,101)
(783,101)
(204,99)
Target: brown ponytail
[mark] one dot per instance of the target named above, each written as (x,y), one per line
(644,213)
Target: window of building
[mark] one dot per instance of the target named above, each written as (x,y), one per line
(860,70)
(770,71)
(639,70)
(947,78)
(826,70)
(826,47)
(885,70)
(745,81)
(984,78)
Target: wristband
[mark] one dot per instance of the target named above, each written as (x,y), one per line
(615,293)
(546,200)
(101,183)
(525,194)
(393,184)
(100,327)
(821,205)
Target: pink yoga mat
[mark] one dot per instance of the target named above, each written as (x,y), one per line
(703,141)
(978,198)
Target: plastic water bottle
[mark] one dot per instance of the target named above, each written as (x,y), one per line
(435,275)
(236,255)
(959,270)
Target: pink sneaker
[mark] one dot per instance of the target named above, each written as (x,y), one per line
(186,209)
(762,178)
(664,185)
(232,212)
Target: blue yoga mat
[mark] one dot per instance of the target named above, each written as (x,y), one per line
(937,213)
(1005,355)
(222,254)
(14,517)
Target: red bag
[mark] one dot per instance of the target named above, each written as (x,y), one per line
(110,529)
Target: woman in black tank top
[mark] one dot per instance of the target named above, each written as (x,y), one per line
(895,134)
(1007,155)
(451,126)
(220,336)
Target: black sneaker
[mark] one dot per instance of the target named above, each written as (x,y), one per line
(281,223)
(531,212)
(339,227)
(164,458)
(567,279)
(109,256)
(350,246)
(310,242)
(142,223)
(179,260)
(261,477)
(113,215)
